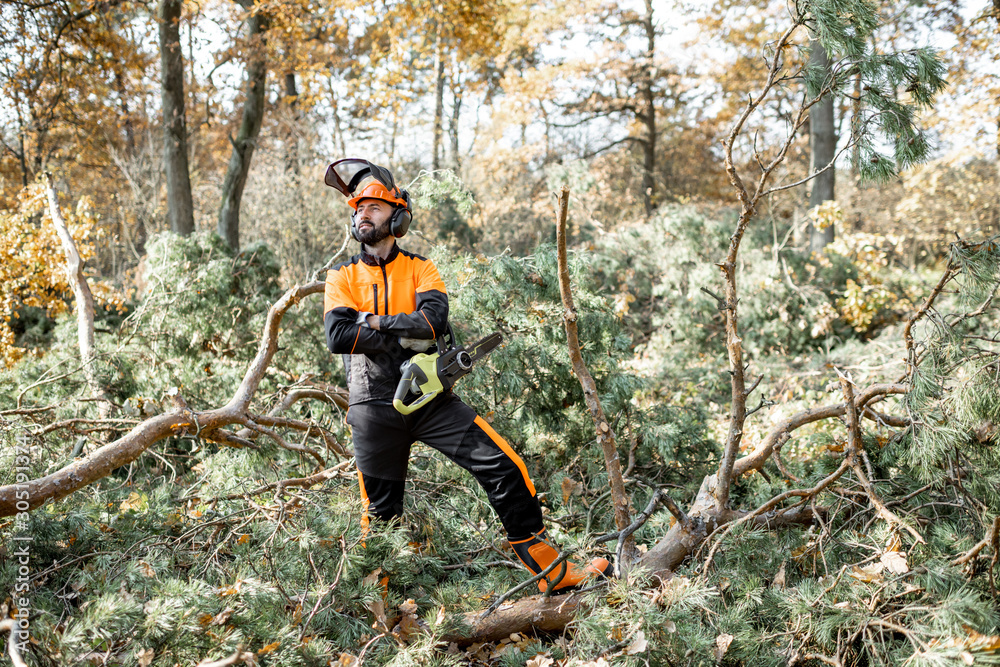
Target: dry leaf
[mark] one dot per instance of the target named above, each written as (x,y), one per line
(779,579)
(145,656)
(407,627)
(146,569)
(270,648)
(670,626)
(967,658)
(230,590)
(895,562)
(540,660)
(373,577)
(243,539)
(441,616)
(409,607)
(346,660)
(377,608)
(722,643)
(869,573)
(133,502)
(638,644)
(222,616)
(570,488)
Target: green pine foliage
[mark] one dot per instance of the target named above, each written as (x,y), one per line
(895,86)
(180,557)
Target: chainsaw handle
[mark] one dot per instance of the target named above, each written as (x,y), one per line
(404,387)
(405,409)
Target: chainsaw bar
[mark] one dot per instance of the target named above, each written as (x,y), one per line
(485,346)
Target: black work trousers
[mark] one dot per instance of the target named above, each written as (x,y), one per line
(382,440)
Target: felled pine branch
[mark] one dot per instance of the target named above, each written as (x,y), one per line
(748,208)
(992,539)
(181,420)
(605,434)
(331,395)
(854,451)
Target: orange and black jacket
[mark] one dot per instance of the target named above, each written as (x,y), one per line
(406,292)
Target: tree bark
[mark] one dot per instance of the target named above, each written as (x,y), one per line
(127,123)
(456,110)
(180,205)
(605,434)
(291,137)
(246,140)
(648,117)
(823,148)
(529,614)
(82,294)
(438,102)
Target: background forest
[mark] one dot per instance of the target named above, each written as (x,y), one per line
(782,261)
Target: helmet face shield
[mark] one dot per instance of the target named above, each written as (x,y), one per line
(351,176)
(341,175)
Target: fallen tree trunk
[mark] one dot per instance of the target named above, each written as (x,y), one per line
(536,613)
(552,614)
(27,495)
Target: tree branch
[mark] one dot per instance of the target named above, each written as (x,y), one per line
(855,449)
(605,434)
(992,539)
(181,421)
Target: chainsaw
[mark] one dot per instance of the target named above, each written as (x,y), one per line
(431,373)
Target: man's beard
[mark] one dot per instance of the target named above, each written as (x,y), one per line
(374,235)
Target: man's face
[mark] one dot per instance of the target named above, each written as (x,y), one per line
(372,220)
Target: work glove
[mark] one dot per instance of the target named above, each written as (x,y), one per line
(362,317)
(416,344)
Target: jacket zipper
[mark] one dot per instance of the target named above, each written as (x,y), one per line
(375,296)
(385,281)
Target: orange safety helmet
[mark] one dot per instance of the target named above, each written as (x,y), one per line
(376,190)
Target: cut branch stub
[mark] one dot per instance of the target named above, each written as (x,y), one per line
(605,435)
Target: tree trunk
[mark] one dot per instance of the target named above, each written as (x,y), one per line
(129,126)
(456,110)
(857,127)
(823,145)
(84,299)
(21,158)
(438,103)
(649,116)
(180,206)
(292,136)
(246,140)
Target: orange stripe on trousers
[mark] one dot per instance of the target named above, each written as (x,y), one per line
(511,454)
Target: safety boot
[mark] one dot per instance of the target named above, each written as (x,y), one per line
(537,553)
